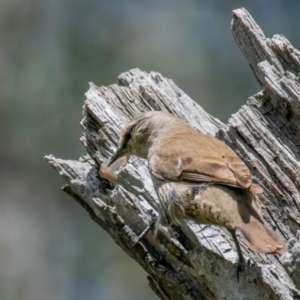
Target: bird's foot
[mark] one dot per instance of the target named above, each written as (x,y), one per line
(146,230)
(240,268)
(241,265)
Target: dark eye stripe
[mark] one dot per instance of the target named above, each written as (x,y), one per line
(128,135)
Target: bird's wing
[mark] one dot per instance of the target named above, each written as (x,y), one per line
(197,160)
(228,170)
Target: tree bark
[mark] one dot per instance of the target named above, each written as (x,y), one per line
(199,261)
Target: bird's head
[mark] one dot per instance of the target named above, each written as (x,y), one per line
(133,140)
(140,134)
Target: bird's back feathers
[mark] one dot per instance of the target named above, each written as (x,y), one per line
(188,155)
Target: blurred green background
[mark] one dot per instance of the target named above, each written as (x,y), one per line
(49,51)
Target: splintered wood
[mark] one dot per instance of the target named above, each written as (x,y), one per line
(198,261)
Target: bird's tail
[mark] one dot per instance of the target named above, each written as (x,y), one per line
(259,237)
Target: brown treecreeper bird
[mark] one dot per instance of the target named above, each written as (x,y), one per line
(198,177)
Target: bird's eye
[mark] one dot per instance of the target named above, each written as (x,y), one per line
(128,135)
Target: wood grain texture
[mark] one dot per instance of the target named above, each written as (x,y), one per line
(198,262)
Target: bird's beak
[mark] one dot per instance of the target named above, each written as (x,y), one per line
(119,153)
(117,162)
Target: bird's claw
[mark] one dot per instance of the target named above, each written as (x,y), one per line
(240,268)
(146,230)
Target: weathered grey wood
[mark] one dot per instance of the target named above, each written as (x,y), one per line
(197,261)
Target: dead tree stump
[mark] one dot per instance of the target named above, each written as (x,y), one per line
(198,261)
